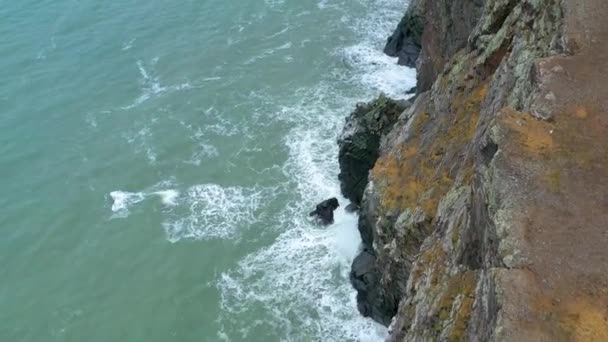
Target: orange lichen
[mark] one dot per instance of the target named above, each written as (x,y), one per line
(410,152)
(419,172)
(560,141)
(585,321)
(581,113)
(536,136)
(579,318)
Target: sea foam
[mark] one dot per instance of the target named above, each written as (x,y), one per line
(122,200)
(298,284)
(301,280)
(216,212)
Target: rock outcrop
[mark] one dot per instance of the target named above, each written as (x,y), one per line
(485,216)
(406,41)
(324,211)
(360,141)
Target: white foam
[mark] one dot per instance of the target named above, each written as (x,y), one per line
(142,141)
(344,234)
(298,284)
(222,125)
(216,212)
(284,30)
(128,45)
(274,3)
(381,72)
(122,200)
(203,152)
(168,197)
(151,86)
(268,52)
(301,280)
(373,69)
(207,79)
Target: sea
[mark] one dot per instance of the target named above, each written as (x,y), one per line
(159,158)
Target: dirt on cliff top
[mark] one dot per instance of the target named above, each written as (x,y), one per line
(563,164)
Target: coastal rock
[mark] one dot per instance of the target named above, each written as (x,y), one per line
(484,215)
(371,300)
(360,141)
(352,208)
(447,26)
(324,212)
(405,42)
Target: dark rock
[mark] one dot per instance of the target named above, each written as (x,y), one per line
(360,141)
(405,42)
(363,271)
(412,90)
(352,208)
(368,215)
(364,278)
(324,212)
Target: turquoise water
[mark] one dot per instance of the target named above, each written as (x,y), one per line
(158,160)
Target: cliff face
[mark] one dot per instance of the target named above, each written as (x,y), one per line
(486,214)
(406,41)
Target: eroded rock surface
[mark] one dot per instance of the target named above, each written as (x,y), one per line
(486,216)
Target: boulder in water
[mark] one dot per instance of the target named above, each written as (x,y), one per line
(324,212)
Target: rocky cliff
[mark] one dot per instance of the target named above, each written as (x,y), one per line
(485,214)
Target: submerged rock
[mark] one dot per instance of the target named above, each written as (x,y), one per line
(324,213)
(360,141)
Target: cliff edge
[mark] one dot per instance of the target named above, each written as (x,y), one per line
(485,215)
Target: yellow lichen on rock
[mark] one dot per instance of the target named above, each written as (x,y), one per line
(581,113)
(420,171)
(536,136)
(585,321)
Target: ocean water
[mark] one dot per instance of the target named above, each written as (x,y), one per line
(158,160)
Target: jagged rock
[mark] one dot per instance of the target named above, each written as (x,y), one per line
(360,141)
(324,212)
(405,42)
